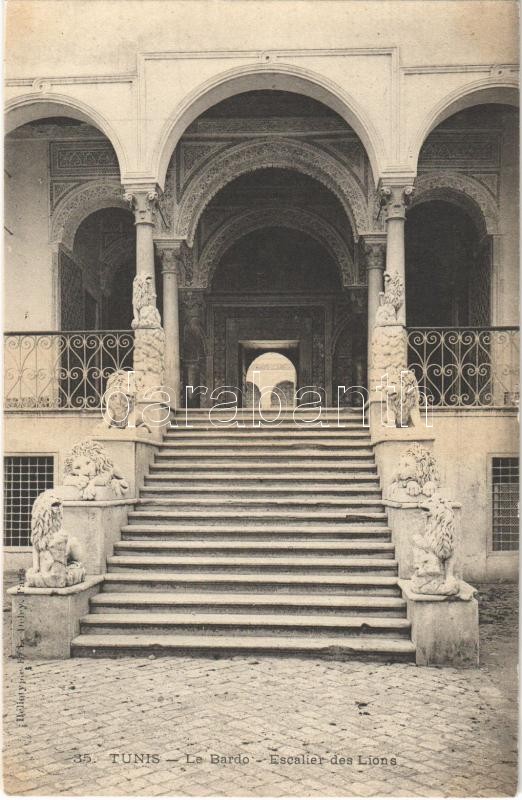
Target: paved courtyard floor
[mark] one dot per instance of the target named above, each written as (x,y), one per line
(70,725)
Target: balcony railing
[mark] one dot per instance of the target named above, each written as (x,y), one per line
(62,371)
(466,366)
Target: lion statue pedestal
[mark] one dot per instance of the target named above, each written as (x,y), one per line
(45,621)
(444,629)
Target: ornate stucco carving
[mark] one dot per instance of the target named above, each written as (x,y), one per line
(464,149)
(290,217)
(56,556)
(79,203)
(261,154)
(434,553)
(82,159)
(437,183)
(89,467)
(417,475)
(221,125)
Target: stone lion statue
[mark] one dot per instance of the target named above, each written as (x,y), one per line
(434,553)
(88,467)
(390,301)
(56,561)
(119,399)
(146,314)
(417,475)
(403,399)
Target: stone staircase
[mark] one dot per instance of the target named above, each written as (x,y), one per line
(268,539)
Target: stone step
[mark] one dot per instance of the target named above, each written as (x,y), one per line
(212,505)
(280,469)
(254,564)
(271,434)
(295,412)
(348,647)
(331,493)
(234,602)
(212,624)
(276,582)
(300,531)
(308,517)
(252,546)
(262,456)
(253,479)
(337,445)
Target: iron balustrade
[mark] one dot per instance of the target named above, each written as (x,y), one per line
(466,367)
(65,370)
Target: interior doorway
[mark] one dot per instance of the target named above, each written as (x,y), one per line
(269,372)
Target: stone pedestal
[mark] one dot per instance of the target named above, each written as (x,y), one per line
(96,525)
(45,621)
(444,630)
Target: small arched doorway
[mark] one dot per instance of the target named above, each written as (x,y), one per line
(270,381)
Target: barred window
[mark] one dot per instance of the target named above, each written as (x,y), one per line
(505,503)
(24,478)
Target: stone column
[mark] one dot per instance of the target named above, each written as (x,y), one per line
(169,253)
(374,248)
(395,198)
(142,201)
(149,336)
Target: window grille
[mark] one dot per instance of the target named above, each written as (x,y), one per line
(505,503)
(24,478)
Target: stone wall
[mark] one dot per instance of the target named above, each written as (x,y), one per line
(465,442)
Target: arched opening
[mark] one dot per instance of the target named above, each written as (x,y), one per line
(459,283)
(468,184)
(274,242)
(470,97)
(284,80)
(271,382)
(448,281)
(96,279)
(49,159)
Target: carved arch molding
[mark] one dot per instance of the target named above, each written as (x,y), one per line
(287,217)
(91,196)
(271,153)
(463,189)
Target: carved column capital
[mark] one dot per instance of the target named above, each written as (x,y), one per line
(395,199)
(143,202)
(374,250)
(169,252)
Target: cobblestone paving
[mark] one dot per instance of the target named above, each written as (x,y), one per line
(451,732)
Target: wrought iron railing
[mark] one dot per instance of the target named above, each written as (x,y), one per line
(466,366)
(62,371)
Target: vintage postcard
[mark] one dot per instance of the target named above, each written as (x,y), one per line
(261,390)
